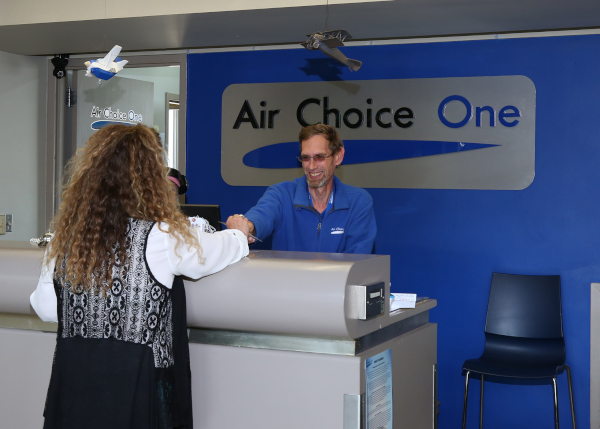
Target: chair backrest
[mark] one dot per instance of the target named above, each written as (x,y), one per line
(524,306)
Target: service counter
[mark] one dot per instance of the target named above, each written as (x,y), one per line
(278,340)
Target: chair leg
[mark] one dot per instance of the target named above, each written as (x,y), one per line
(556,425)
(481,405)
(571,396)
(464,425)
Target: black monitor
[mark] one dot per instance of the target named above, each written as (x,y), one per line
(210,212)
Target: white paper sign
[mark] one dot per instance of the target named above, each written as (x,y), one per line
(379,391)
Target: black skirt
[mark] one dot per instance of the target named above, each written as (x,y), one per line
(181,409)
(109,383)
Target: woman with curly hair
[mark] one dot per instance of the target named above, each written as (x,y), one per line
(120,240)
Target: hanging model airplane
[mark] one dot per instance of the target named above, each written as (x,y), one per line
(105,68)
(328,43)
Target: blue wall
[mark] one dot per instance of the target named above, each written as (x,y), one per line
(445,244)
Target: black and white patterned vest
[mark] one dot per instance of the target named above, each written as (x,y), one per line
(136,308)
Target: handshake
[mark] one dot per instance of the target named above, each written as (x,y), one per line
(239,221)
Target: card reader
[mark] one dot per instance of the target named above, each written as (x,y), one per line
(367,301)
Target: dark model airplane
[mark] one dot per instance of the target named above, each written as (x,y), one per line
(328,43)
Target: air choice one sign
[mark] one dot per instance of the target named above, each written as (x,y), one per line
(119,100)
(356,118)
(445,133)
(115,115)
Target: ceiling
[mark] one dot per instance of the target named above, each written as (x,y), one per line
(365,21)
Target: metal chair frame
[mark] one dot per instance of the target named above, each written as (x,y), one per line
(554,385)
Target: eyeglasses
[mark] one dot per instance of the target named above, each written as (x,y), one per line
(321,157)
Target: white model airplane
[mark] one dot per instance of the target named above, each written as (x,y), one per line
(328,43)
(105,68)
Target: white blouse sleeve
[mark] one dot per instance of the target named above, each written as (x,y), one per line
(43,299)
(219,250)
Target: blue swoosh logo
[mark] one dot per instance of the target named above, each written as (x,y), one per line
(101,124)
(283,155)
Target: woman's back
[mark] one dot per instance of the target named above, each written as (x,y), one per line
(119,231)
(114,357)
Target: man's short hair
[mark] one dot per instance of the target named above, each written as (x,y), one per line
(327,131)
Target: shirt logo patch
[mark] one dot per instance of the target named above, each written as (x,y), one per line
(337,230)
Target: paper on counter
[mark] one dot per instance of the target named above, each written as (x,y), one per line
(403,300)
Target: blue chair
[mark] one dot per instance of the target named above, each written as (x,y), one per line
(523,336)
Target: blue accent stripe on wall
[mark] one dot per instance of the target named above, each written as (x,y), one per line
(283,155)
(101,124)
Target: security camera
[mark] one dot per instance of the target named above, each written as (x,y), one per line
(60,63)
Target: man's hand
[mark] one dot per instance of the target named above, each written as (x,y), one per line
(252,230)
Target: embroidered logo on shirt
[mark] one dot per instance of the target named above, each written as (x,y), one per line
(337,230)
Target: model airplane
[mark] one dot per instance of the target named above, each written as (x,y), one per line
(328,43)
(105,68)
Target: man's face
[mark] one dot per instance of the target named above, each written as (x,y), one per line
(319,173)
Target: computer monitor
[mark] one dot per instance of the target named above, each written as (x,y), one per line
(210,212)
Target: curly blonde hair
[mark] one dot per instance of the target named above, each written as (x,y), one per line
(118,175)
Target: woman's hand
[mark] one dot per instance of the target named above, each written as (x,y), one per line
(239,222)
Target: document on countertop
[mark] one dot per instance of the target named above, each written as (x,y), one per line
(403,300)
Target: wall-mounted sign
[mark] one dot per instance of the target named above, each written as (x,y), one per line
(119,100)
(107,116)
(380,396)
(442,133)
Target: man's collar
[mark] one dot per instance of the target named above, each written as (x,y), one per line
(301,194)
(340,199)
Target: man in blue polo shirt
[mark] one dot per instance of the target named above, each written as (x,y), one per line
(316,212)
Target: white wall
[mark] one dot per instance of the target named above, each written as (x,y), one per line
(166,79)
(36,11)
(23,82)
